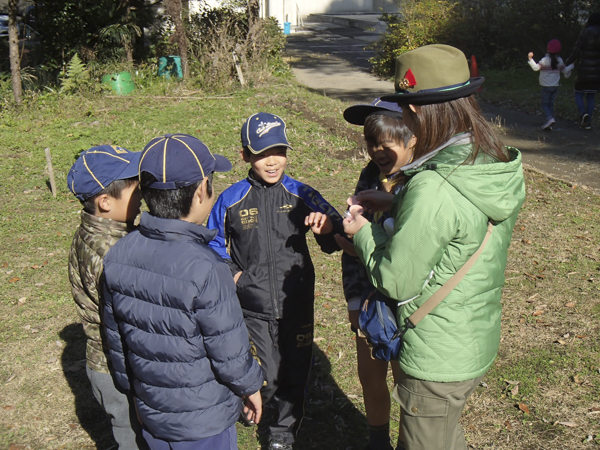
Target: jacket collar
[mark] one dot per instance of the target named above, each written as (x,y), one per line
(173,229)
(459,139)
(260,183)
(101,225)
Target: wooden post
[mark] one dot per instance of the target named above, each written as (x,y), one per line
(50,171)
(239,69)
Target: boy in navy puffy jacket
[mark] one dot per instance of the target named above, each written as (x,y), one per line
(262,223)
(174,326)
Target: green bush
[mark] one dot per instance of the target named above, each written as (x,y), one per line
(216,33)
(499,34)
(422,22)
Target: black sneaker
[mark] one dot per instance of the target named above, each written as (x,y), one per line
(586,122)
(277,443)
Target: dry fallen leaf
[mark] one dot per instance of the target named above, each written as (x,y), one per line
(14,280)
(21,301)
(318,339)
(561,342)
(12,446)
(567,424)
(576,379)
(570,305)
(9,407)
(515,390)
(523,407)
(538,312)
(326,306)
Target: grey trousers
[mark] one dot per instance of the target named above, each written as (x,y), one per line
(126,428)
(431,411)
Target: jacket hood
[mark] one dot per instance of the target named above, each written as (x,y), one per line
(496,188)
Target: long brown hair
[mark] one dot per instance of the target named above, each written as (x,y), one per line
(436,124)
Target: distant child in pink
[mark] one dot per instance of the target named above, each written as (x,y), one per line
(550,68)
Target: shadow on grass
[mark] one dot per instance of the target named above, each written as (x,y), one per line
(331,420)
(92,417)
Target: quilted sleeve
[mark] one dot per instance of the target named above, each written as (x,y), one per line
(222,326)
(115,345)
(425,222)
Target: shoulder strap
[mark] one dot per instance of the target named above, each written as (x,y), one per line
(442,292)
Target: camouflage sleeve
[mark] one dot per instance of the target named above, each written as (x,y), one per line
(354,275)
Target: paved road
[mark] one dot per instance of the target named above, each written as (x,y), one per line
(331,58)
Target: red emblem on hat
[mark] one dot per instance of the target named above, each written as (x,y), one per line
(408,81)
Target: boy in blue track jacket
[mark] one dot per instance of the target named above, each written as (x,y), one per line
(174,325)
(261,225)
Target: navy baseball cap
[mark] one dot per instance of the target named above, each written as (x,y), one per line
(99,166)
(178,160)
(357,114)
(263,131)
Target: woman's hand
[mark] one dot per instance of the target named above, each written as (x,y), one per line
(353,224)
(530,56)
(373,200)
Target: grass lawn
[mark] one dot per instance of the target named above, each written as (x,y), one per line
(542,393)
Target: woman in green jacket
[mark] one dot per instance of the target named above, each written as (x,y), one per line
(461,178)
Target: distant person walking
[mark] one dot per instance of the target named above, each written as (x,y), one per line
(587,83)
(550,68)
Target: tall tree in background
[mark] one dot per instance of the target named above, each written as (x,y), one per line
(13,49)
(173,8)
(253,11)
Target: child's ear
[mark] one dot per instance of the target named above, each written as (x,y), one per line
(201,192)
(102,203)
(412,142)
(245,157)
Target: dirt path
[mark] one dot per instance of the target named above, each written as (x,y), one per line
(331,59)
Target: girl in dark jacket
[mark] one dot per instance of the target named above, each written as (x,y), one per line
(587,83)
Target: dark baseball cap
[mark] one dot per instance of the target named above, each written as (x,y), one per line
(263,131)
(99,166)
(178,160)
(357,114)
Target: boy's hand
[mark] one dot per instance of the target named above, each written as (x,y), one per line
(319,223)
(253,407)
(237,276)
(345,245)
(530,55)
(372,200)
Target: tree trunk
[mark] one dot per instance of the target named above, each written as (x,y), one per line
(13,49)
(174,10)
(253,14)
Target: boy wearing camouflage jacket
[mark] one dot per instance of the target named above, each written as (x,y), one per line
(105,180)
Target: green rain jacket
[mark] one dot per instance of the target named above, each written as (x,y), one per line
(440,220)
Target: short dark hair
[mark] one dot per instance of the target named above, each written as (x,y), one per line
(170,203)
(114,190)
(247,152)
(381,128)
(593,20)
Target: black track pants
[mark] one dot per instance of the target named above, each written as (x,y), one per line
(283,347)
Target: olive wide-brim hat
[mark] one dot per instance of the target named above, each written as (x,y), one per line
(432,74)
